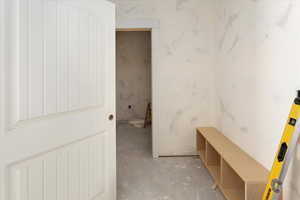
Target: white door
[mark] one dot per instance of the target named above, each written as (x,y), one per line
(57,92)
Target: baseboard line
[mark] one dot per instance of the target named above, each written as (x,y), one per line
(178,156)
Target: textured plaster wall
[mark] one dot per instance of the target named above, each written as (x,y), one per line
(133,74)
(229,63)
(184,60)
(257,73)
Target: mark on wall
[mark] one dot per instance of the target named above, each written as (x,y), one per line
(196,29)
(168,49)
(185,117)
(267,36)
(180,4)
(225,111)
(174,44)
(194,120)
(122,83)
(285,18)
(231,19)
(244,129)
(130,10)
(201,50)
(234,44)
(175,120)
(127,95)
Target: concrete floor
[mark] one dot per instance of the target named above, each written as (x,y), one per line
(142,177)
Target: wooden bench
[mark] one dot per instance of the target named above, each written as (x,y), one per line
(237,175)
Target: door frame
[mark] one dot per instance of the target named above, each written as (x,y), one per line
(3,192)
(153,27)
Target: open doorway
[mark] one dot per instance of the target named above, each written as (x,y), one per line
(134,89)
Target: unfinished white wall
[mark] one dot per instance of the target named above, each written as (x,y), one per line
(184,60)
(257,74)
(256,67)
(133,69)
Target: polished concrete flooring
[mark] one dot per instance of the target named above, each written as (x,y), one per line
(140,177)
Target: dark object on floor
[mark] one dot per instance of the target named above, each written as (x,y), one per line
(148,117)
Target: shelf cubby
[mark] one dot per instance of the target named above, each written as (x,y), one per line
(213,162)
(201,147)
(236,174)
(232,185)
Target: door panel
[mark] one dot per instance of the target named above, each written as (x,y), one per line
(72,172)
(56,142)
(62,60)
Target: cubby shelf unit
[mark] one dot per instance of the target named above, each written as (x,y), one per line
(237,175)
